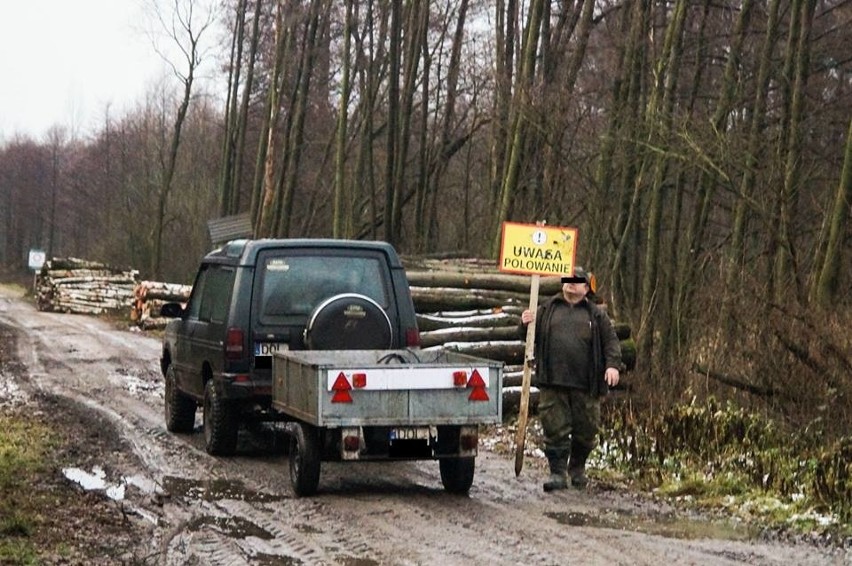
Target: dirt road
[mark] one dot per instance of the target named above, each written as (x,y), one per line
(205,510)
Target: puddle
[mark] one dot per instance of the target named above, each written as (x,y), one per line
(96,480)
(667,526)
(215,489)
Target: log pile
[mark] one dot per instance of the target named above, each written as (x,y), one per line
(150,296)
(72,285)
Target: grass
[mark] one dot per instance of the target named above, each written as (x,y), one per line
(24,449)
(719,456)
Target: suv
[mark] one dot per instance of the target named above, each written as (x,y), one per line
(254,297)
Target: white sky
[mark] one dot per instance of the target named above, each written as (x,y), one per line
(62,62)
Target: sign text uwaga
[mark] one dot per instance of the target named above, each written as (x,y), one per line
(534,249)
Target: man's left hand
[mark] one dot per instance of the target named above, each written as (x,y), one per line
(611,377)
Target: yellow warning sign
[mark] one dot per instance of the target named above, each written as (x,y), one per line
(531,249)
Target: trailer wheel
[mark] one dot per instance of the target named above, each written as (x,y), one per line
(180,409)
(457,474)
(220,423)
(304,459)
(349,321)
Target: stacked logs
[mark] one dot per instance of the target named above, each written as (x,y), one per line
(150,296)
(474,309)
(72,285)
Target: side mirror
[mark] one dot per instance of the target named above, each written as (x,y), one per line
(171,310)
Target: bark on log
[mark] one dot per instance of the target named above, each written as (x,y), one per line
(512,401)
(432,322)
(498,282)
(507,352)
(468,334)
(434,299)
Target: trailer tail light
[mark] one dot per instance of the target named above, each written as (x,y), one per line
(352,442)
(359,380)
(469,441)
(234,344)
(412,338)
(341,390)
(460,378)
(477,386)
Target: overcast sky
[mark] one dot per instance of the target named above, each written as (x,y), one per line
(62,62)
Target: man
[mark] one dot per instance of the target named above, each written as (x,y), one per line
(577,357)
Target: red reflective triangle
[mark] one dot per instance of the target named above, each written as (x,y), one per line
(341,388)
(341,397)
(478,394)
(476,380)
(341,383)
(477,384)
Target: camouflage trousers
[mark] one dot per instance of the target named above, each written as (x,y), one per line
(569,416)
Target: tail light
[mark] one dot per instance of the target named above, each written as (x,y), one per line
(234,344)
(412,338)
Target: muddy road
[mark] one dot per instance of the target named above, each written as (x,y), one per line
(200,509)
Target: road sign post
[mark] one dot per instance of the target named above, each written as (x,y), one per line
(35,261)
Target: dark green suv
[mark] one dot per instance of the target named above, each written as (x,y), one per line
(254,297)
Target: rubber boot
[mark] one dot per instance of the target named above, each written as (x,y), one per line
(558,461)
(577,465)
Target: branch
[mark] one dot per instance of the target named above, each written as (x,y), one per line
(735,382)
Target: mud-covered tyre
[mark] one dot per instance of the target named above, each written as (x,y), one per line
(457,474)
(304,459)
(220,423)
(179,408)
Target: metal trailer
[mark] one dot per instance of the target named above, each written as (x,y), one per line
(410,404)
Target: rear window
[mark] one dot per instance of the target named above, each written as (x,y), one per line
(294,285)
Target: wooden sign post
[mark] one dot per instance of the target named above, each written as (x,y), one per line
(529,360)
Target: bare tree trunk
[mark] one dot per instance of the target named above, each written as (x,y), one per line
(393,117)
(229,135)
(262,206)
(520,103)
(319,11)
(829,276)
(181,23)
(736,248)
(341,214)
(785,253)
(660,119)
(445,149)
(242,119)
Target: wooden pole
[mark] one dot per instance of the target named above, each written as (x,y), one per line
(529,359)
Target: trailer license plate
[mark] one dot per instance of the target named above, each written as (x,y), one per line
(410,433)
(269,348)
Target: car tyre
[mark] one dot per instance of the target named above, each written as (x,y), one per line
(179,408)
(220,423)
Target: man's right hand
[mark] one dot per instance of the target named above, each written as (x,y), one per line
(527,316)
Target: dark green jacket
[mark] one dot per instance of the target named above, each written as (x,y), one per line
(606,349)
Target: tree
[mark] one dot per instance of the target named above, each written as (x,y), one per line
(183,28)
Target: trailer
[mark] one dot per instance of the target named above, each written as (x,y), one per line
(401,404)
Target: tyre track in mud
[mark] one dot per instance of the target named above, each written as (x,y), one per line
(241,510)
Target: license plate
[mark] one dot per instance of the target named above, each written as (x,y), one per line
(410,433)
(269,348)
